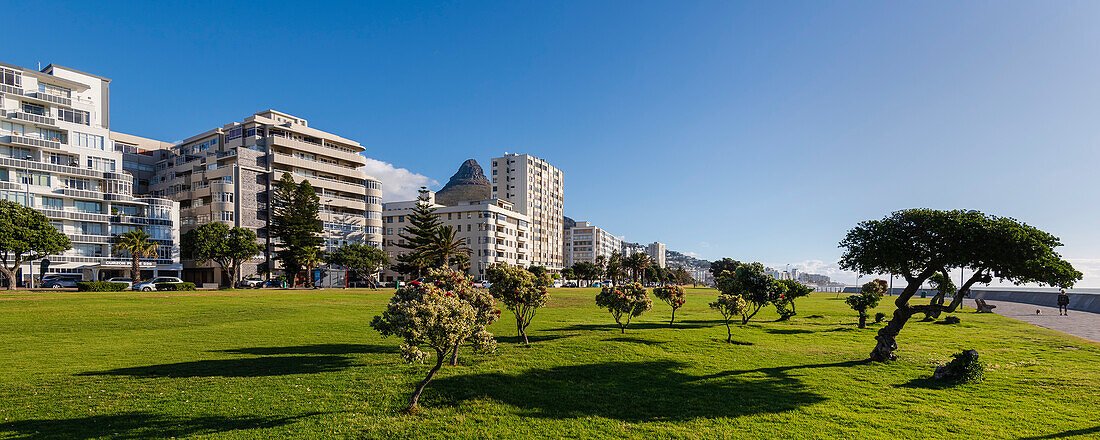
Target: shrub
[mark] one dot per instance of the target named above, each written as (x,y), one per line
(428,315)
(951,320)
(673,296)
(730,306)
(789,291)
(964,368)
(176,286)
(521,290)
(879,317)
(630,300)
(868,298)
(100,286)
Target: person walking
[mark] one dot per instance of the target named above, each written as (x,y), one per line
(1063,303)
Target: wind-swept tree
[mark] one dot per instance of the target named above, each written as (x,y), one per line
(626,301)
(730,306)
(521,291)
(25,235)
(228,247)
(136,243)
(427,315)
(918,243)
(420,234)
(869,296)
(751,283)
(673,296)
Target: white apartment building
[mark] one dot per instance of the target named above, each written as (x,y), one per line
(629,249)
(585,242)
(656,252)
(537,190)
(56,155)
(492,229)
(228,175)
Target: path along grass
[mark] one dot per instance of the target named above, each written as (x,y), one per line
(256,364)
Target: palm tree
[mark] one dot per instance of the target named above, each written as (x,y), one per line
(445,248)
(637,264)
(137,243)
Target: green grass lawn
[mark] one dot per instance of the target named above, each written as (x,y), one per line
(276,364)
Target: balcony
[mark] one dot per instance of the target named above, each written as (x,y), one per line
(112,197)
(31,117)
(4,88)
(323,183)
(52,99)
(31,142)
(313,164)
(80,193)
(316,148)
(53,168)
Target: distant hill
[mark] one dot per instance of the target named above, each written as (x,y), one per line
(468,184)
(568,223)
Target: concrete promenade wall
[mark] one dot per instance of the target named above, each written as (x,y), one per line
(1088,302)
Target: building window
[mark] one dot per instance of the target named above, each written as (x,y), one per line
(11,77)
(53,203)
(101,164)
(87,140)
(34,109)
(51,89)
(234,133)
(91,207)
(227,216)
(74,116)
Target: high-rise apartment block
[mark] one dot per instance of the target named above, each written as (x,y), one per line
(537,190)
(57,156)
(656,252)
(492,230)
(586,242)
(228,175)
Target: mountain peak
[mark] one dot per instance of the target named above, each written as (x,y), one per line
(468,184)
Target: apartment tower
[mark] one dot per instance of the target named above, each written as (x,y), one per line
(228,175)
(585,242)
(57,156)
(537,190)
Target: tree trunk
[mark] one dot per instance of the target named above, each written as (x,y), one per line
(454,354)
(10,275)
(729,333)
(862,320)
(521,330)
(887,342)
(135,270)
(673,318)
(415,398)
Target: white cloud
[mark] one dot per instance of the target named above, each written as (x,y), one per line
(398,184)
(1090,268)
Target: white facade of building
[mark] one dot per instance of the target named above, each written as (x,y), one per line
(537,190)
(656,252)
(585,242)
(57,156)
(492,229)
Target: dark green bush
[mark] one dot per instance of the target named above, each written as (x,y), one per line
(100,286)
(951,320)
(965,367)
(879,317)
(175,286)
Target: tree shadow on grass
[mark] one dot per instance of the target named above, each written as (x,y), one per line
(640,326)
(530,338)
(1064,434)
(787,331)
(782,372)
(249,367)
(626,391)
(634,341)
(929,383)
(313,349)
(137,425)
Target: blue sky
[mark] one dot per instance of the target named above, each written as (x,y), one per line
(759,131)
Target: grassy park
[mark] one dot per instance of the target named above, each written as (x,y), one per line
(270,364)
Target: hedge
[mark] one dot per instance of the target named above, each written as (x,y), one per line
(100,286)
(175,286)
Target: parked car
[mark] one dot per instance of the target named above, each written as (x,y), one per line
(151,285)
(250,283)
(271,284)
(569,285)
(58,281)
(127,280)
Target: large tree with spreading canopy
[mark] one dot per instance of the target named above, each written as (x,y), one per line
(920,243)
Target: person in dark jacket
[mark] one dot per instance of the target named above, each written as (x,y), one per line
(1063,303)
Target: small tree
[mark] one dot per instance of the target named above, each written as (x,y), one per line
(868,298)
(567,273)
(792,290)
(730,306)
(673,296)
(756,287)
(296,222)
(229,248)
(918,243)
(630,300)
(25,235)
(362,260)
(426,315)
(137,244)
(521,291)
(485,306)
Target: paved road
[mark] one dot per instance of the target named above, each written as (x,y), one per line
(1081,324)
